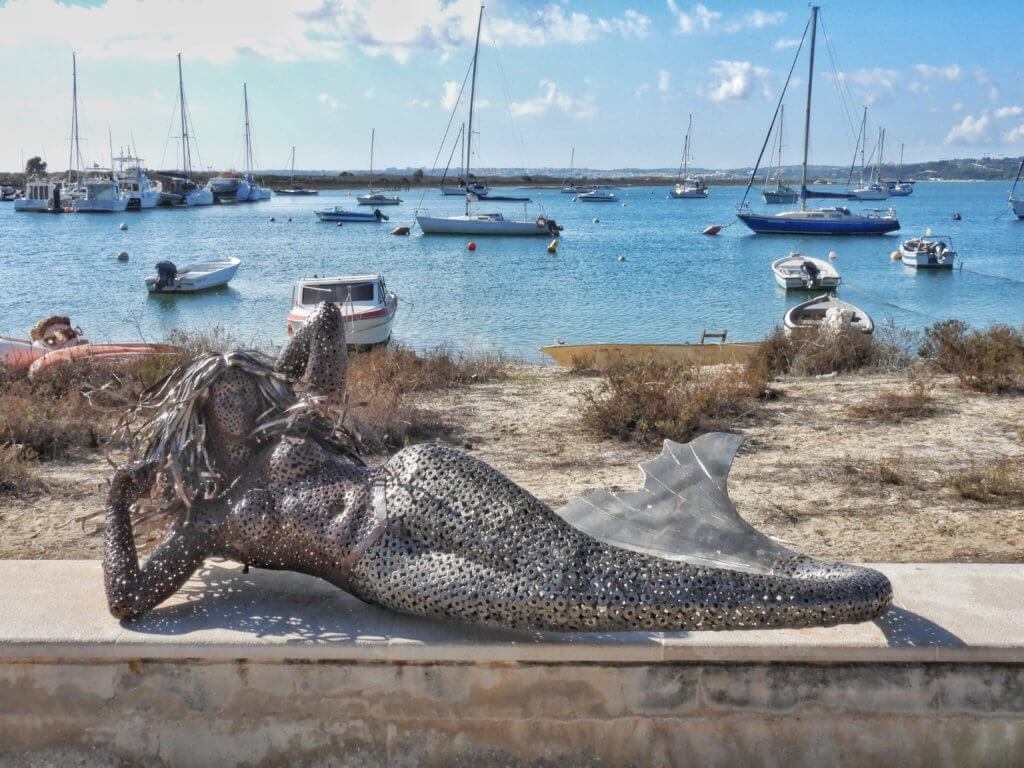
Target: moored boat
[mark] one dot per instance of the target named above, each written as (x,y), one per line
(367,307)
(802,273)
(192,194)
(686,187)
(375,197)
(103,194)
(827,312)
(200,276)
(1017,203)
(598,196)
(291,189)
(41,196)
(338,213)
(933,252)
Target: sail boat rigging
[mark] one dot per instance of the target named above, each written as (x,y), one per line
(900,188)
(374,197)
(822,221)
(687,188)
(291,189)
(256,192)
(1017,203)
(571,187)
(470,223)
(782,194)
(184,188)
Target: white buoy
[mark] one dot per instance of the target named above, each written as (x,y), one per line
(621,258)
(122,256)
(339,223)
(122,226)
(623,205)
(272,219)
(597,221)
(290,220)
(832,255)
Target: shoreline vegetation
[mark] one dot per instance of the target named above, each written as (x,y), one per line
(927,462)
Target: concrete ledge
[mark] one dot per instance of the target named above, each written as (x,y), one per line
(270,669)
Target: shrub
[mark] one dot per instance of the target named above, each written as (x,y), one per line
(1002,481)
(990,360)
(16,476)
(647,401)
(915,401)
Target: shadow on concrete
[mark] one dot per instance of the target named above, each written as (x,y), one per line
(903,628)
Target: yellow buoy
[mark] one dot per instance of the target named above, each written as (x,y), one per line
(895,256)
(553,246)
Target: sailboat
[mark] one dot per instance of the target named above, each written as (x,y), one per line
(291,189)
(376,197)
(685,186)
(819,221)
(462,188)
(481,223)
(188,192)
(900,188)
(571,187)
(1017,203)
(256,192)
(869,190)
(782,194)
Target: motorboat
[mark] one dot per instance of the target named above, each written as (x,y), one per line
(822,221)
(598,196)
(686,187)
(473,223)
(201,276)
(338,213)
(802,273)
(103,194)
(9,194)
(191,193)
(142,192)
(375,197)
(367,307)
(1017,203)
(291,189)
(229,188)
(41,196)
(780,194)
(932,252)
(827,312)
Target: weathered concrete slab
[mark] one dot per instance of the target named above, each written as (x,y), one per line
(56,610)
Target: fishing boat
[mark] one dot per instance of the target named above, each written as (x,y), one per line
(780,194)
(142,192)
(103,194)
(601,356)
(824,221)
(482,224)
(256,192)
(929,252)
(338,213)
(201,276)
(374,197)
(229,187)
(802,273)
(367,307)
(1017,203)
(598,196)
(570,187)
(192,194)
(291,189)
(41,196)
(687,188)
(827,312)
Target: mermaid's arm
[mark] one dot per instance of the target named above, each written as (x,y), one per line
(317,353)
(131,590)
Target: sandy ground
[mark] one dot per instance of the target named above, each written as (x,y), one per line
(808,473)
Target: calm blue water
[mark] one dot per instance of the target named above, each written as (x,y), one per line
(509,293)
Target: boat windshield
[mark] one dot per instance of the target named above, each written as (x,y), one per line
(337,293)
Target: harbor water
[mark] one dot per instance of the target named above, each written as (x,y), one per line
(510,293)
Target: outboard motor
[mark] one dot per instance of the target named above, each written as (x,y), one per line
(553,227)
(166,272)
(379,215)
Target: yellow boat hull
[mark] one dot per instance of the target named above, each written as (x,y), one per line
(603,355)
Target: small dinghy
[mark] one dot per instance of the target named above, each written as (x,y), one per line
(827,312)
(802,273)
(200,276)
(337,213)
(930,253)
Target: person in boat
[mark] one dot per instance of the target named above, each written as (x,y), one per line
(239,456)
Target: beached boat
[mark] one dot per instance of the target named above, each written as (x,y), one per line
(827,312)
(1017,203)
(201,276)
(932,252)
(825,221)
(603,355)
(686,187)
(478,224)
(598,196)
(338,213)
(367,307)
(802,273)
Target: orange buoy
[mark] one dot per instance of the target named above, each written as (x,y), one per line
(471,246)
(400,231)
(714,229)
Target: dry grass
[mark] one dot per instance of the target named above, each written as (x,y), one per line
(999,482)
(895,406)
(990,360)
(647,401)
(16,475)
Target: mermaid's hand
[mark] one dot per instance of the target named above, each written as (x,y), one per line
(317,354)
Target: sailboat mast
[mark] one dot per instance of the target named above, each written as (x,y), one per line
(864,143)
(292,182)
(373,134)
(75,152)
(881,152)
(782,116)
(807,115)
(472,99)
(686,149)
(1020,169)
(186,160)
(572,164)
(248,135)
(899,176)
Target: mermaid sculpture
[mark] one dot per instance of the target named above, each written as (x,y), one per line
(239,455)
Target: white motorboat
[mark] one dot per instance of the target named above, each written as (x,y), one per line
(9,193)
(201,276)
(41,196)
(598,196)
(141,191)
(802,273)
(481,224)
(375,197)
(103,194)
(338,213)
(229,188)
(192,194)
(930,252)
(687,188)
(1017,203)
(827,312)
(367,307)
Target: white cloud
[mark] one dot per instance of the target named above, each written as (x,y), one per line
(970,130)
(642,89)
(699,18)
(664,80)
(876,84)
(982,78)
(756,19)
(451,95)
(786,42)
(958,106)
(1014,135)
(552,98)
(420,103)
(1013,111)
(330,101)
(951,73)
(733,80)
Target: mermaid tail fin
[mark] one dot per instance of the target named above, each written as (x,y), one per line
(683,511)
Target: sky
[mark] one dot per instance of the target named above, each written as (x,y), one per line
(616,79)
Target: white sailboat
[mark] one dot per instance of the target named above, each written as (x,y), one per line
(870,190)
(470,223)
(191,193)
(376,197)
(256,192)
(687,188)
(781,194)
(571,187)
(1017,203)
(900,188)
(291,189)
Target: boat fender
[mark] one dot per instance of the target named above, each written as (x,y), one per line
(471,246)
(895,256)
(400,231)
(122,255)
(714,229)
(553,246)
